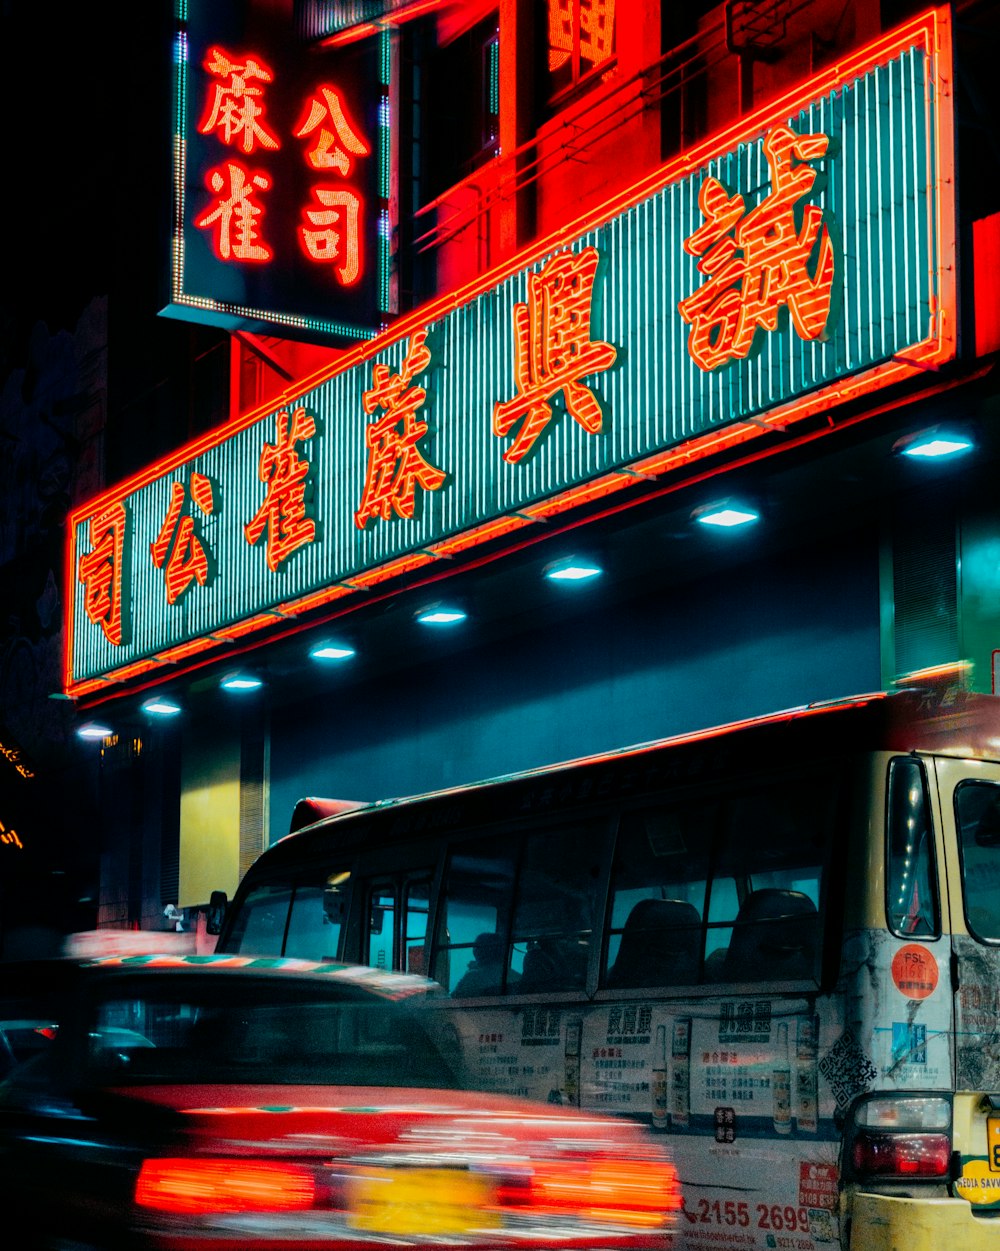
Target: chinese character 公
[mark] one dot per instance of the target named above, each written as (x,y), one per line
(334,147)
(177,549)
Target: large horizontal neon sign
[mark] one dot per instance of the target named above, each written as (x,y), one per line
(804,257)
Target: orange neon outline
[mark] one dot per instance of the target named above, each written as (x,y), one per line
(930,31)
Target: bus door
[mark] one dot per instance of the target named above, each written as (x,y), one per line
(970,800)
(397,909)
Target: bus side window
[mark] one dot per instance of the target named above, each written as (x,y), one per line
(555,906)
(260,923)
(777,839)
(977,811)
(474,913)
(658,896)
(910,879)
(319,912)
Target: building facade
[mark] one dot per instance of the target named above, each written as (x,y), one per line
(597,275)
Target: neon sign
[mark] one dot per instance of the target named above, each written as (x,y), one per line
(759,280)
(554,351)
(9,837)
(282,176)
(756,263)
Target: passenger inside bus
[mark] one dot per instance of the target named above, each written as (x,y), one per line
(484,975)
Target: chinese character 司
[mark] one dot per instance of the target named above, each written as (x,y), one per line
(332,232)
(553,351)
(234,213)
(177,550)
(283,511)
(235,108)
(100,570)
(758,262)
(395,464)
(339,236)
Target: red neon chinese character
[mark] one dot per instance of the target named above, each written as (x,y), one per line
(333,148)
(338,238)
(331,232)
(234,108)
(395,464)
(283,512)
(759,261)
(177,550)
(554,351)
(100,570)
(235,213)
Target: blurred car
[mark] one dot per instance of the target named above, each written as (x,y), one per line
(20,1040)
(218,1102)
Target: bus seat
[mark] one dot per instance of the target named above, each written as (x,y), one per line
(775,937)
(715,965)
(661,945)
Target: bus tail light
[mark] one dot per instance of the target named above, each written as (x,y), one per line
(904,1137)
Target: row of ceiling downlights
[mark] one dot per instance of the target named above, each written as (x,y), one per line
(727,514)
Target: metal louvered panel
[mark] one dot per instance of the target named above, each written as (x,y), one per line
(880,192)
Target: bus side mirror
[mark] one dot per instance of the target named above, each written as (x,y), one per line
(216,912)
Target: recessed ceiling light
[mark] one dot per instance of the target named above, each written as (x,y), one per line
(725,515)
(241,682)
(94,730)
(331,651)
(934,444)
(440,614)
(161,707)
(572,569)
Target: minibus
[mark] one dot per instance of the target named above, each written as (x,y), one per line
(776,943)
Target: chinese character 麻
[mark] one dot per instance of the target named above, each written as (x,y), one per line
(177,549)
(100,570)
(759,262)
(235,107)
(395,464)
(553,351)
(283,511)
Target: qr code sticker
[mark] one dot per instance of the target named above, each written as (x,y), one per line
(848,1070)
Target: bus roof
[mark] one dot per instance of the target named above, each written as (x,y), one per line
(933,721)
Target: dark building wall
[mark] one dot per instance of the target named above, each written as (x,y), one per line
(767,635)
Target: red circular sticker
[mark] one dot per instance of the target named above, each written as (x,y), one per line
(915,971)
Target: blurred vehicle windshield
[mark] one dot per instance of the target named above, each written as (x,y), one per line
(149,1030)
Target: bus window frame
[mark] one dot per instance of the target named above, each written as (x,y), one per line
(518,830)
(932,842)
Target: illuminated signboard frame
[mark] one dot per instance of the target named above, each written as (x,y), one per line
(287,293)
(210,552)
